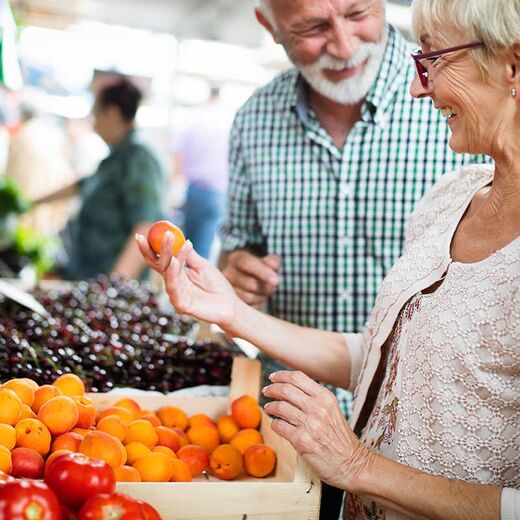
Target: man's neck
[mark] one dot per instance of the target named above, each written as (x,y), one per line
(337,119)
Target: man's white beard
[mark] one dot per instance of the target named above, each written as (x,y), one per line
(348,91)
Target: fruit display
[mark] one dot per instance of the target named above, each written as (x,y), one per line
(110,332)
(56,432)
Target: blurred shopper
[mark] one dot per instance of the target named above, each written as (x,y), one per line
(434,433)
(326,164)
(37,162)
(122,198)
(202,159)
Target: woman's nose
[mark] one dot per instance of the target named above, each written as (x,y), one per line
(417,90)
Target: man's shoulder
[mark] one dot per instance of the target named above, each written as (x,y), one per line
(279,90)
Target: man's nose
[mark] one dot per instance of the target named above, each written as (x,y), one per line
(342,44)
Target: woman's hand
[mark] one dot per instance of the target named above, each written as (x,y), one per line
(194,285)
(309,417)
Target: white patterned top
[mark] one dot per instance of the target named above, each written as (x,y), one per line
(449,403)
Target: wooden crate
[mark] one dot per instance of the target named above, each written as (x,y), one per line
(292,493)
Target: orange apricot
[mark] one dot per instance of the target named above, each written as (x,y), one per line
(24,390)
(183,436)
(205,436)
(125,414)
(259,460)
(127,474)
(67,441)
(196,457)
(10,406)
(32,433)
(227,427)
(26,413)
(246,438)
(136,450)
(114,425)
(43,394)
(200,419)
(152,419)
(81,431)
(167,437)
(246,412)
(6,462)
(87,411)
(101,445)
(141,431)
(157,232)
(30,382)
(181,471)
(225,462)
(60,414)
(173,417)
(165,450)
(70,384)
(154,467)
(7,436)
(131,405)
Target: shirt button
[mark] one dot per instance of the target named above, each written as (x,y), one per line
(346,190)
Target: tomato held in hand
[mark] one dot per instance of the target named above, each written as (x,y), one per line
(111,507)
(28,500)
(156,236)
(74,478)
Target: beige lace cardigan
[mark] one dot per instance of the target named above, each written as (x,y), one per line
(460,412)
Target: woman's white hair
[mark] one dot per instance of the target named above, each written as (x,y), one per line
(496,23)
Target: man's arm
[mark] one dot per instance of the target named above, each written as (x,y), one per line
(130,262)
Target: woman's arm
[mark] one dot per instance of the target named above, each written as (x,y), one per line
(201,290)
(309,417)
(423,496)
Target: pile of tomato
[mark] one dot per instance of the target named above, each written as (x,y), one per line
(75,487)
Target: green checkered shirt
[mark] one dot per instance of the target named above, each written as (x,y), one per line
(336,217)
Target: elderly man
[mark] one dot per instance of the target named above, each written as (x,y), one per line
(327,162)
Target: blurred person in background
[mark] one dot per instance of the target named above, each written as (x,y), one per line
(37,162)
(201,158)
(326,163)
(122,198)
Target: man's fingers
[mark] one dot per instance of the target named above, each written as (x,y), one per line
(254,266)
(255,300)
(273,261)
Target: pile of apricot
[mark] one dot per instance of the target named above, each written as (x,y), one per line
(36,422)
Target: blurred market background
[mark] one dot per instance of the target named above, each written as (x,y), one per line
(53,54)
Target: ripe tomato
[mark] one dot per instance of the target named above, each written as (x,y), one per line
(111,507)
(156,236)
(150,513)
(74,477)
(28,500)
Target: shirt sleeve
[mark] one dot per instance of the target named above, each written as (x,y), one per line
(241,227)
(356,347)
(510,504)
(144,182)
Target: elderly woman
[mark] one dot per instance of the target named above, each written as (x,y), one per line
(436,371)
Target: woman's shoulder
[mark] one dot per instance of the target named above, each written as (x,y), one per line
(447,195)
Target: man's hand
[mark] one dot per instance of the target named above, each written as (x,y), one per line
(254,278)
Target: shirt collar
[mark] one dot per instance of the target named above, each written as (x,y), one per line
(391,76)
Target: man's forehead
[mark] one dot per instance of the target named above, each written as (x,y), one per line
(316,6)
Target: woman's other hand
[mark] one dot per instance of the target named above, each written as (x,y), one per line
(194,285)
(309,417)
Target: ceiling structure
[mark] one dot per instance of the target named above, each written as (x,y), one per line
(229,21)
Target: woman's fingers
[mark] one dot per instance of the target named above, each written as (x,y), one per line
(286,411)
(299,380)
(290,393)
(146,251)
(166,254)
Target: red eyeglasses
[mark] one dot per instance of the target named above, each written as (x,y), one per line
(422,71)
